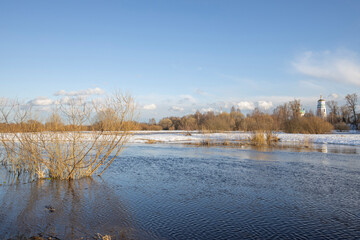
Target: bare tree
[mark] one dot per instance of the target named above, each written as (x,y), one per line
(351,102)
(333,111)
(295,108)
(54,122)
(281,114)
(152,121)
(284,113)
(345,113)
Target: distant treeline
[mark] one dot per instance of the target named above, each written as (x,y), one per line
(37,126)
(286,117)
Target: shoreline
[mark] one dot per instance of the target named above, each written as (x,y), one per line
(197,137)
(194,137)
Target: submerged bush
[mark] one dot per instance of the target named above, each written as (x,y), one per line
(66,152)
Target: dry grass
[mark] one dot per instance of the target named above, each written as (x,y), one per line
(258,138)
(103,237)
(271,138)
(226,142)
(209,143)
(264,138)
(206,142)
(152,141)
(205,131)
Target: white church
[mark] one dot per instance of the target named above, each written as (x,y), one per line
(321,108)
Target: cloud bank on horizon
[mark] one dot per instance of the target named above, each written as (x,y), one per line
(87,92)
(63,97)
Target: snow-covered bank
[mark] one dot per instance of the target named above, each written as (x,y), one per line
(193,137)
(197,137)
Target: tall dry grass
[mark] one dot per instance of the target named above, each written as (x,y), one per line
(258,138)
(263,138)
(70,154)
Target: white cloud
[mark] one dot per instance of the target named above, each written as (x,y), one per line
(64,100)
(79,100)
(176,109)
(41,101)
(61,92)
(187,98)
(87,92)
(202,93)
(150,107)
(205,110)
(246,105)
(265,105)
(333,95)
(340,66)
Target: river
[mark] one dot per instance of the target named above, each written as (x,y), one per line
(174,191)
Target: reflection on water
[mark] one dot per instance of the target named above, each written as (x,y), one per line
(65,209)
(295,147)
(186,192)
(324,148)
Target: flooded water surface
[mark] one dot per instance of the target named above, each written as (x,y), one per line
(166,191)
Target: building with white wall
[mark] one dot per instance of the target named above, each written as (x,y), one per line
(321,108)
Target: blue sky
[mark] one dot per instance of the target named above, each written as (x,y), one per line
(176,57)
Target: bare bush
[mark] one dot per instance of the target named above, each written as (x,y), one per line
(341,126)
(63,149)
(351,103)
(308,125)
